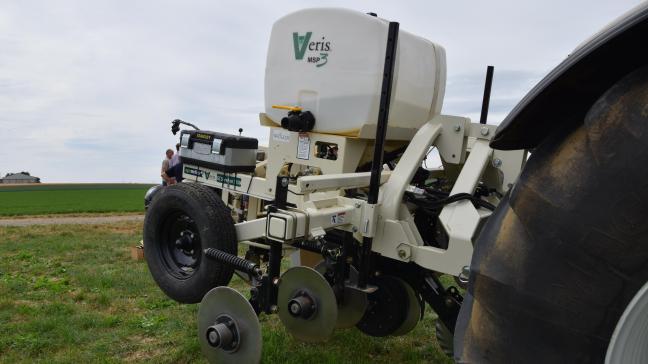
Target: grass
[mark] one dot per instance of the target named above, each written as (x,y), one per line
(17,200)
(71,293)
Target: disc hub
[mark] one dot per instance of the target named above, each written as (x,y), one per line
(224,334)
(302,306)
(228,328)
(306,304)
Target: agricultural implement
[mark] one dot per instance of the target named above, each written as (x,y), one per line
(551,250)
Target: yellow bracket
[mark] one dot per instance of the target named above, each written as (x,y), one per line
(289,108)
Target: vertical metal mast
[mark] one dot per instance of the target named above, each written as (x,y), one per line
(487,92)
(381,132)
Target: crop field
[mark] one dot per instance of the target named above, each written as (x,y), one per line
(42,199)
(71,293)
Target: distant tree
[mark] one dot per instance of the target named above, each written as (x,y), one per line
(25,173)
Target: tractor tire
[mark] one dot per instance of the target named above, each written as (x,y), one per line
(565,252)
(445,338)
(182,221)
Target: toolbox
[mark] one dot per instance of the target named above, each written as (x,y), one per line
(222,152)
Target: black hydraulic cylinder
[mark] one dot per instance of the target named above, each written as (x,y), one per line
(379,147)
(487,92)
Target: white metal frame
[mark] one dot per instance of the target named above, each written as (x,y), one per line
(320,206)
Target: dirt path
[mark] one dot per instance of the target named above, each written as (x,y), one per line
(61,220)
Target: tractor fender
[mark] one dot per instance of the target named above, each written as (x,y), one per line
(564,96)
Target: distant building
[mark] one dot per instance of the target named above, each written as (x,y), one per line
(22,177)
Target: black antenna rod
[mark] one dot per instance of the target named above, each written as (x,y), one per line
(487,92)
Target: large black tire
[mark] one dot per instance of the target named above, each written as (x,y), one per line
(182,221)
(564,253)
(445,338)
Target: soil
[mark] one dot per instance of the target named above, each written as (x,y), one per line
(61,220)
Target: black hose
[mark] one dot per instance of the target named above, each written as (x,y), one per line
(436,203)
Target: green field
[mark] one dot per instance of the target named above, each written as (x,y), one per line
(46,199)
(71,293)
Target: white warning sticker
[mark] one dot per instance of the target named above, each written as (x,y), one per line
(338,218)
(303,146)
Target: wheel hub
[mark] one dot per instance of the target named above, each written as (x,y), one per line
(186,242)
(181,251)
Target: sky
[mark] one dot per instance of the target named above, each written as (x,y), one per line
(88,88)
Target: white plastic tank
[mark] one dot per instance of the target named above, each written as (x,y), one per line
(330,62)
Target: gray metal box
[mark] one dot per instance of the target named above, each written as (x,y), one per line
(222,152)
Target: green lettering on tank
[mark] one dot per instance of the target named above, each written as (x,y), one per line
(300,42)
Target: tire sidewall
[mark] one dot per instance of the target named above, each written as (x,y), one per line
(208,274)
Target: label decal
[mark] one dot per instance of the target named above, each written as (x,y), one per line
(208,175)
(228,180)
(303,146)
(281,135)
(318,49)
(338,218)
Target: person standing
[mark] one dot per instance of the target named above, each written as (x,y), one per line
(166,180)
(175,160)
(175,166)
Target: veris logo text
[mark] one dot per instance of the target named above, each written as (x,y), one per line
(318,51)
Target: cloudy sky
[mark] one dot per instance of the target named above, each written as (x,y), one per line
(88,88)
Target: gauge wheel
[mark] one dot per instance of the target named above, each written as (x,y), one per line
(182,221)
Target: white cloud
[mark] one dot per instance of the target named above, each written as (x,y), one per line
(87,89)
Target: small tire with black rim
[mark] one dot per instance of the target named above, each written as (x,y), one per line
(182,221)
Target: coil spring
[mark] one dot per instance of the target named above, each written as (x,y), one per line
(311,245)
(231,259)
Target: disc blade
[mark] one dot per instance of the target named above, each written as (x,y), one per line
(389,308)
(413,314)
(225,301)
(320,325)
(354,303)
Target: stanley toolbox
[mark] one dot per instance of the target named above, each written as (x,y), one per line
(222,152)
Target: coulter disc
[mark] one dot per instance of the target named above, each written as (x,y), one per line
(307,305)
(390,310)
(414,309)
(354,303)
(228,328)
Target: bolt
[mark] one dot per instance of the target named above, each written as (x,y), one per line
(485,131)
(448,301)
(464,275)
(212,337)
(465,270)
(402,254)
(276,281)
(354,229)
(457,128)
(497,162)
(358,205)
(284,182)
